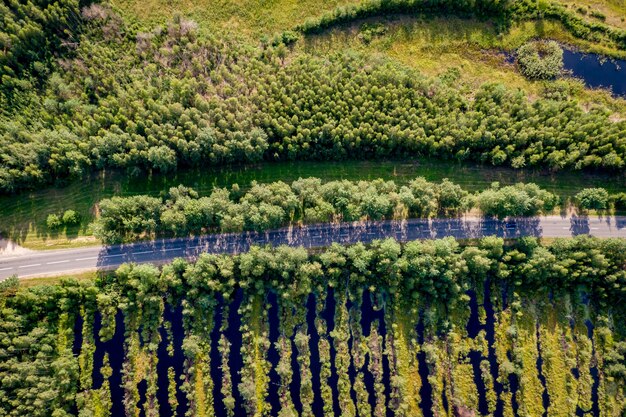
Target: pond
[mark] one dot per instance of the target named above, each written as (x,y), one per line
(597,71)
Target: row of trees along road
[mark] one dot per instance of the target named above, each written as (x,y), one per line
(268,206)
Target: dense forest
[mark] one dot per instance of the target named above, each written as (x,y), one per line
(112,94)
(425,328)
(269,206)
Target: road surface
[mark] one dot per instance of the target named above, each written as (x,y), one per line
(56,262)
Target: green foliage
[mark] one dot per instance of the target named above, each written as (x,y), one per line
(269,206)
(32,33)
(515,200)
(426,279)
(616,362)
(188,100)
(540,60)
(9,285)
(70,218)
(592,199)
(53,221)
(370,31)
(503,12)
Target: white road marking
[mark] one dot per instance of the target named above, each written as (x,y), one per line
(140,253)
(56,262)
(86,259)
(594,228)
(112,256)
(5,269)
(166,250)
(28,266)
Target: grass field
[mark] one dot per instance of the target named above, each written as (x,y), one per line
(614,10)
(250,18)
(24,215)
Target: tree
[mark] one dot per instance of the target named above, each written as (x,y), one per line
(420,197)
(515,200)
(70,218)
(452,198)
(53,221)
(592,199)
(162,158)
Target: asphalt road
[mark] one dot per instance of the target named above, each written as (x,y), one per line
(56,262)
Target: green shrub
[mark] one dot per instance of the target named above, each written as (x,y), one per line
(598,15)
(10,284)
(70,218)
(619,201)
(540,60)
(370,31)
(53,221)
(592,199)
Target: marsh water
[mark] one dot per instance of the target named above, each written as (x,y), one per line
(115,348)
(597,71)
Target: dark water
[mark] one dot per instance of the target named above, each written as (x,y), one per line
(475,358)
(272,355)
(473,326)
(78,335)
(216,370)
(426,392)
(369,314)
(142,387)
(317,406)
(597,71)
(233,333)
(162,378)
(176,361)
(329,316)
(115,348)
(545,397)
(490,330)
(294,387)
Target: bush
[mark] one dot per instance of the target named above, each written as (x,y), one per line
(619,201)
(592,199)
(598,15)
(53,221)
(540,60)
(11,284)
(70,218)
(516,200)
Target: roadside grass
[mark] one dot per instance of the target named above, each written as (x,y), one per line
(24,215)
(80,277)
